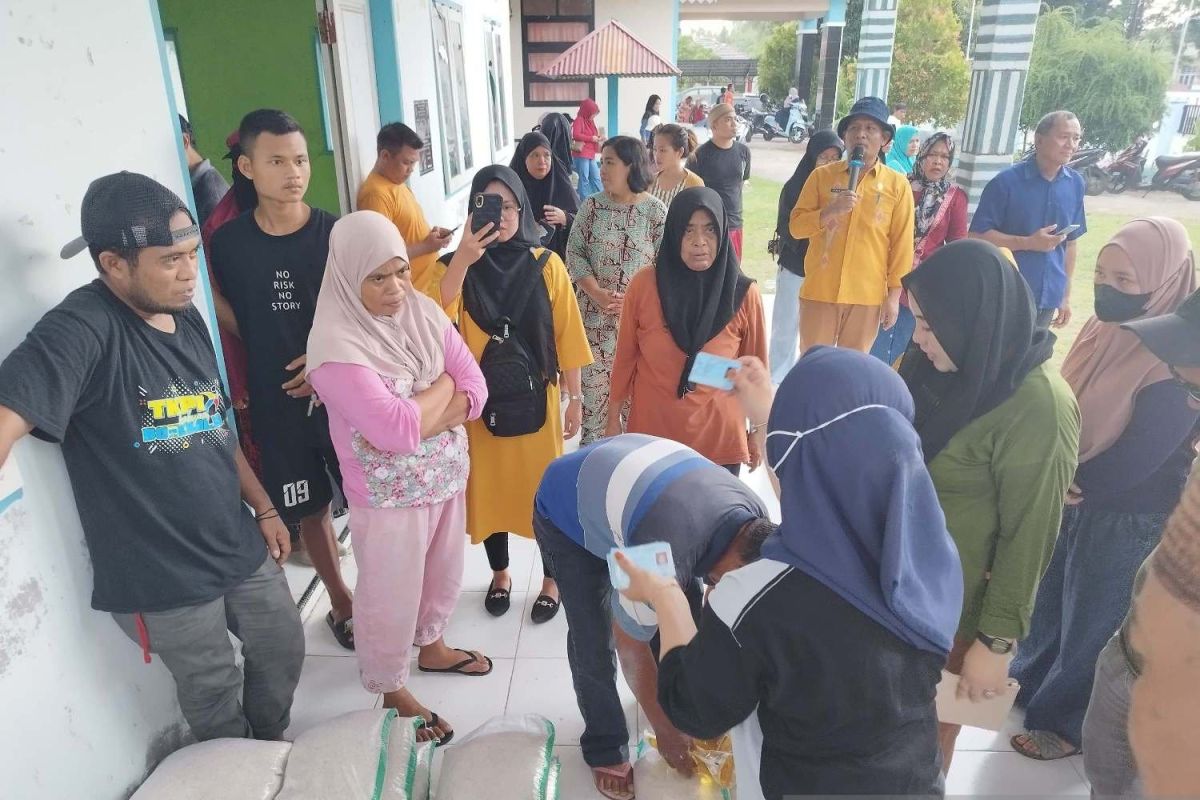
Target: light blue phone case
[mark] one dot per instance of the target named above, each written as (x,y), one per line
(654,557)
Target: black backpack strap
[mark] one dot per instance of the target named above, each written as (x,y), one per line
(522,299)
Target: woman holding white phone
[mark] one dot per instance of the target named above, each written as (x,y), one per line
(695,302)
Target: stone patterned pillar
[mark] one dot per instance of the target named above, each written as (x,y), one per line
(876,40)
(808,44)
(998,73)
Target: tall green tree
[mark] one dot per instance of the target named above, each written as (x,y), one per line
(1115,86)
(777,62)
(929,70)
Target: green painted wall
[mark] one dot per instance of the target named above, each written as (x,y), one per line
(236,56)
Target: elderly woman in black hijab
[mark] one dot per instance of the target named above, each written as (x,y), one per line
(504,283)
(695,299)
(547,181)
(824,147)
(1000,431)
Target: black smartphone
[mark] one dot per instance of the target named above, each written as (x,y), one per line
(485,209)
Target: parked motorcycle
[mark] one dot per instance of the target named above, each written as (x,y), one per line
(1091,163)
(1126,168)
(765,124)
(799,128)
(1178,174)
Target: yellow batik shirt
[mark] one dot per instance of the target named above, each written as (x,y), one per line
(857,259)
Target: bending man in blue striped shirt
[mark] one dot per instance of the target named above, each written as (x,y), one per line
(619,492)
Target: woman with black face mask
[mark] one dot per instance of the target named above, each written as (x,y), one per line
(1134,455)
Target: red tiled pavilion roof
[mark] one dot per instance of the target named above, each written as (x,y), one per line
(610,50)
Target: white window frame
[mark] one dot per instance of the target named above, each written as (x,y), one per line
(500,121)
(449,65)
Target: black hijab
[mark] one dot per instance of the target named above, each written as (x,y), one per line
(697,305)
(982,313)
(557,130)
(796,249)
(505,268)
(552,190)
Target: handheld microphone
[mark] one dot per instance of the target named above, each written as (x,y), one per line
(856,167)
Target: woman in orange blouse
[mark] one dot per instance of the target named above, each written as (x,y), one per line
(695,299)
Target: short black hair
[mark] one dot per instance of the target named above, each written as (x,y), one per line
(265,120)
(130,254)
(755,534)
(395,136)
(632,153)
(900,107)
(186,127)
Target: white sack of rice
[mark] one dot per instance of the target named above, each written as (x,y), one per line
(507,758)
(235,768)
(654,779)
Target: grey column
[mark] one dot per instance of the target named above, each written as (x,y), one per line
(998,74)
(829,63)
(808,44)
(876,40)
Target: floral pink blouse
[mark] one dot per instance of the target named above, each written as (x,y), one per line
(376,430)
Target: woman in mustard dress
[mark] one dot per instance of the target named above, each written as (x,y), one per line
(489,277)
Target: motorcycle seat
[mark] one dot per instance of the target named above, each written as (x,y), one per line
(1166,161)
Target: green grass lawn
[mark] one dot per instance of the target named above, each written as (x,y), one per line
(761,201)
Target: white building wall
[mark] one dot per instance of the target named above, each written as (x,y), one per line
(419,82)
(83,716)
(652,21)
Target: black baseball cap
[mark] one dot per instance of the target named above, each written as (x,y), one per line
(1174,338)
(126,210)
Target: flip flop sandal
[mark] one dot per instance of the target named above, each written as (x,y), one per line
(433,723)
(457,669)
(497,601)
(544,609)
(1043,746)
(342,631)
(624,772)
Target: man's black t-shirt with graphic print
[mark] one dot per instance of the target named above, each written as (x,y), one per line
(141,415)
(272,283)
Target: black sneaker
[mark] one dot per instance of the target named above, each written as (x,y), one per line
(544,609)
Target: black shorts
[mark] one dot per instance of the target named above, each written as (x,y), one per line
(299,467)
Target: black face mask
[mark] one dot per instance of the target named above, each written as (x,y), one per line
(1114,306)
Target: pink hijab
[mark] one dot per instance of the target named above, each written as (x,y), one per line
(407,344)
(1108,366)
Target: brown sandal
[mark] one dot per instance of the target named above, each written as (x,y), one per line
(1043,746)
(623,772)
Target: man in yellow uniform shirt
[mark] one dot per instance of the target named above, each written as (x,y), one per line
(386,190)
(860,242)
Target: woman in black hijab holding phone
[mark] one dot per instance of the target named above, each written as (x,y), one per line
(499,273)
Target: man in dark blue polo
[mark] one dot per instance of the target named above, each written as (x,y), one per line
(1028,207)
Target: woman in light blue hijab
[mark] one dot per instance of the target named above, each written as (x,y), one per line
(902,155)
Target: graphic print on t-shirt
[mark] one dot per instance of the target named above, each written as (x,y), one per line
(285,292)
(177,415)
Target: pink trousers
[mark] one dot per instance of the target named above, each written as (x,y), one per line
(410,563)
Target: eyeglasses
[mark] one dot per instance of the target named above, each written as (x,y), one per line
(510,210)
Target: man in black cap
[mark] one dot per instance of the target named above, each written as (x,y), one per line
(860,237)
(122,373)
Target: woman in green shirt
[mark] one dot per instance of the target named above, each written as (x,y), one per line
(1000,431)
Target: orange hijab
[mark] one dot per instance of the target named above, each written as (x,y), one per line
(1108,366)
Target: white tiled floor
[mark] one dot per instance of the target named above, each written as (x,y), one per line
(531,675)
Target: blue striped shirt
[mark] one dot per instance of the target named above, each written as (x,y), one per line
(633,489)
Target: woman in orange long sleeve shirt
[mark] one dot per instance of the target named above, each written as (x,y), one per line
(695,299)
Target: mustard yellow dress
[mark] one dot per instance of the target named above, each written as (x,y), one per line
(506,471)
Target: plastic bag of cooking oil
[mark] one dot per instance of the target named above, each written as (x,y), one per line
(713,778)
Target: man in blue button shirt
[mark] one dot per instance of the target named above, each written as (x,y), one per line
(1027,209)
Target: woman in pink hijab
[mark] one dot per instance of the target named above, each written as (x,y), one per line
(1135,450)
(585,143)
(398,382)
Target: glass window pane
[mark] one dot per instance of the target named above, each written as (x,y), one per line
(564,32)
(539,7)
(576,7)
(567,93)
